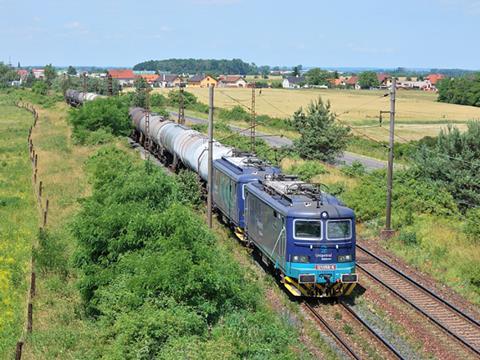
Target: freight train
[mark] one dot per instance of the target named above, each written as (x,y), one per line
(77,98)
(306,235)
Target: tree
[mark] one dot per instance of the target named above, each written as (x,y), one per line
(368,79)
(7,75)
(71,71)
(454,163)
(50,74)
(317,76)
(321,138)
(141,90)
(296,70)
(40,87)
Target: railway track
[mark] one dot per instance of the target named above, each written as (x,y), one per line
(344,343)
(460,326)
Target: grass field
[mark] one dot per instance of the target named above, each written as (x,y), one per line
(418,113)
(18,222)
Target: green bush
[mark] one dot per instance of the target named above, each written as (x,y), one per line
(153,276)
(158,100)
(355,170)
(237,113)
(307,170)
(408,238)
(472,224)
(411,196)
(108,116)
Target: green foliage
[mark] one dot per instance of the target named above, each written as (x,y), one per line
(199,66)
(321,137)
(307,170)
(153,276)
(71,70)
(464,90)
(409,238)
(7,75)
(454,163)
(472,224)
(50,74)
(317,76)
(190,188)
(50,254)
(158,100)
(188,98)
(368,79)
(40,87)
(102,116)
(141,92)
(355,170)
(237,113)
(411,196)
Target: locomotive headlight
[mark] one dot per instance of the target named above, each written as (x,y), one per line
(324,215)
(344,258)
(300,258)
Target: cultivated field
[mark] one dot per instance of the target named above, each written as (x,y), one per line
(418,113)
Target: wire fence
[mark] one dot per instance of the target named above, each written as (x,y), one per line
(43,206)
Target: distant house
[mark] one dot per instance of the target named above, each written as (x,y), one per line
(168,80)
(434,79)
(23,75)
(231,81)
(201,81)
(125,77)
(293,82)
(39,73)
(352,82)
(149,78)
(424,85)
(384,80)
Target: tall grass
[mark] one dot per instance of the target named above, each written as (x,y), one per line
(18,222)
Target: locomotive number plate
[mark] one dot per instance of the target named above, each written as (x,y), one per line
(326,267)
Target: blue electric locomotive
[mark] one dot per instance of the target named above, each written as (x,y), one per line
(306,234)
(230,176)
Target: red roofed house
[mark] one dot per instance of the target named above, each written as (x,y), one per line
(149,78)
(434,78)
(125,77)
(384,80)
(353,82)
(23,74)
(231,81)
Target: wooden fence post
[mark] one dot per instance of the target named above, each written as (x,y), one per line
(40,188)
(18,350)
(29,317)
(32,284)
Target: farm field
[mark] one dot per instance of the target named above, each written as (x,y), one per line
(18,222)
(418,113)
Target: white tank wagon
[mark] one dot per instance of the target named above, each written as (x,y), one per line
(77,98)
(187,145)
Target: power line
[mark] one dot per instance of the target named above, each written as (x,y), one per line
(237,101)
(361,105)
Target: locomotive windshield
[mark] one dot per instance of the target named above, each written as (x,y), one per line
(308,229)
(339,229)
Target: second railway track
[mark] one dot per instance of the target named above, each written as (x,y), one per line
(442,313)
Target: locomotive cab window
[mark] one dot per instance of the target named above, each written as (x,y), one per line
(339,229)
(307,229)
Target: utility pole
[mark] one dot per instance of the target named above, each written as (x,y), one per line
(84,86)
(253,121)
(181,105)
(388,220)
(210,156)
(109,85)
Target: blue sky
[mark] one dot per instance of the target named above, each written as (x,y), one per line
(366,33)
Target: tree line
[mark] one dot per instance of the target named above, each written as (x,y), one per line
(463,90)
(196,66)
